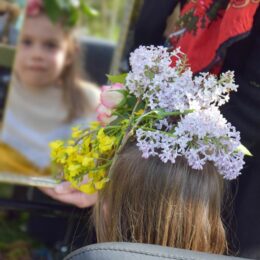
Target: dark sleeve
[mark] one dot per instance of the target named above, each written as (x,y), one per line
(243,112)
(152,22)
(243,109)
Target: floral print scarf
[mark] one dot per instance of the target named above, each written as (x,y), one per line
(206,28)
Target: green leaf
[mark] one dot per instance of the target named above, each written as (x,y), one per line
(115,131)
(131,100)
(87,10)
(69,10)
(52,9)
(122,91)
(244,150)
(162,113)
(117,78)
(73,18)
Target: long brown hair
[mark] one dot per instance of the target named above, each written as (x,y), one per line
(149,201)
(72,80)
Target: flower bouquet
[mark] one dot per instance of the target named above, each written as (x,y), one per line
(167,110)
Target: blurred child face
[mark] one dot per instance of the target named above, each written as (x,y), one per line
(42,52)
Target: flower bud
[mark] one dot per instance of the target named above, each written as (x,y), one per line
(110,97)
(104,115)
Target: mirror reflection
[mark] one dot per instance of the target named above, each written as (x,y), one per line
(58,65)
(11,17)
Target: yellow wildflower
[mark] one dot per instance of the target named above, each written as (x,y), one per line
(73,182)
(88,188)
(97,175)
(93,154)
(73,170)
(61,157)
(101,184)
(88,162)
(94,125)
(57,149)
(86,143)
(139,112)
(76,132)
(106,142)
(71,142)
(56,144)
(70,150)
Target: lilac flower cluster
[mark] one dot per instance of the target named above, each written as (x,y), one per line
(207,136)
(200,136)
(174,88)
(212,91)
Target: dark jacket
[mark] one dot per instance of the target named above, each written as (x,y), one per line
(243,111)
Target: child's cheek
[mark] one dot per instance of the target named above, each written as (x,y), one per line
(58,60)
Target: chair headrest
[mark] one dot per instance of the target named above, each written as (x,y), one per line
(136,251)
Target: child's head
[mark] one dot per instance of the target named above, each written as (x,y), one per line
(43,52)
(47,56)
(161,154)
(148,201)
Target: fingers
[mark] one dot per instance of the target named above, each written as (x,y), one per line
(69,195)
(64,187)
(79,199)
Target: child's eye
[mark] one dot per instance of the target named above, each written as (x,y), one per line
(51,45)
(26,42)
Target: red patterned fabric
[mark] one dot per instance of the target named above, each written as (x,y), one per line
(206,28)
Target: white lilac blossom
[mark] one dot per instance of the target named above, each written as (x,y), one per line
(212,91)
(174,88)
(212,139)
(158,143)
(150,69)
(200,136)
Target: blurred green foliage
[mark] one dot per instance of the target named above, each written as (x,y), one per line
(70,11)
(97,18)
(15,243)
(5,190)
(107,24)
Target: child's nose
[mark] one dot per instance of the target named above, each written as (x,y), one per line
(37,52)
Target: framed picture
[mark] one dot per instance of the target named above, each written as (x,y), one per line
(24,138)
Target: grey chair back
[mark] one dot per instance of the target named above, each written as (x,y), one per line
(135,251)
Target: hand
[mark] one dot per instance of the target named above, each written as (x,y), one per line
(65,193)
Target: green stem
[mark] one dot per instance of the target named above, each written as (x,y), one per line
(92,132)
(131,129)
(104,166)
(129,133)
(153,130)
(84,135)
(154,114)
